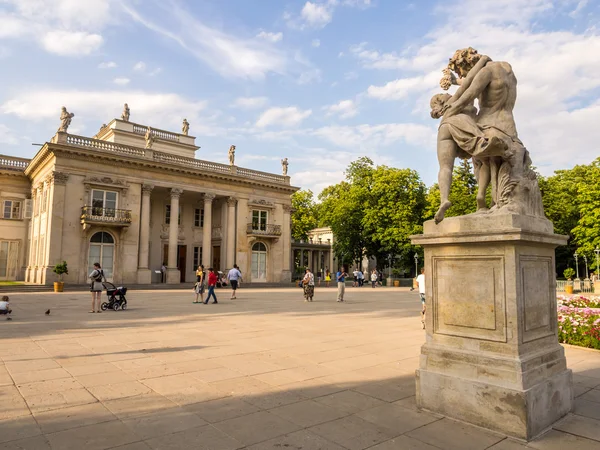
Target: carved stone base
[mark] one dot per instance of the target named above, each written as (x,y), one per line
(173,276)
(492,356)
(144,276)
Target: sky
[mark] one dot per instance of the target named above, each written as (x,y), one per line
(321,82)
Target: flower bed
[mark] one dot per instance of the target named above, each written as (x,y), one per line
(579,321)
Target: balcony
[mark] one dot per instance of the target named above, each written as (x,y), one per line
(263,230)
(91,215)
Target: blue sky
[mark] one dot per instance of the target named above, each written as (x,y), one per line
(321,82)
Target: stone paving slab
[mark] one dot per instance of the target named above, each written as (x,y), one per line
(265,371)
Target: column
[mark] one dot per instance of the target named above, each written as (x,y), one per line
(207,231)
(144,275)
(173,276)
(231,232)
(57,185)
(286,237)
(310,260)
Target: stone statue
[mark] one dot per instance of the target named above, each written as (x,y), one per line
(232,155)
(125,115)
(284,166)
(149,138)
(185,127)
(488,136)
(65,120)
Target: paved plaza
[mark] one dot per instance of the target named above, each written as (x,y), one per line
(264,371)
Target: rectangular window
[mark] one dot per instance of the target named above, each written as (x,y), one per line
(197,257)
(198,217)
(11,210)
(104,203)
(168,215)
(259,220)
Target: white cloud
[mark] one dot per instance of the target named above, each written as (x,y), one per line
(231,55)
(284,117)
(344,109)
(316,43)
(317,15)
(161,110)
(580,7)
(155,72)
(372,59)
(374,136)
(7,136)
(140,66)
(250,102)
(63,27)
(71,43)
(269,36)
(309,76)
(121,81)
(107,65)
(403,87)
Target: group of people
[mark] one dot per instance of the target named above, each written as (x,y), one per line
(308,282)
(209,281)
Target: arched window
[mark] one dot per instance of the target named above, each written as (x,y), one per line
(259,247)
(102,238)
(102,250)
(259,262)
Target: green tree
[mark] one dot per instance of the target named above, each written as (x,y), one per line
(304,214)
(586,233)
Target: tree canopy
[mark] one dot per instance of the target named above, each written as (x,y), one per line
(304,214)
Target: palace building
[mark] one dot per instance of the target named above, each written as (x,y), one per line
(134,198)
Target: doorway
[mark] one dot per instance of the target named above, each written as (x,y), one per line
(181,259)
(102,250)
(217,257)
(259,262)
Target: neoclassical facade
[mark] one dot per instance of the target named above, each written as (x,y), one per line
(134,198)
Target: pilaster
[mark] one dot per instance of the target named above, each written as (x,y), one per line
(207,231)
(173,274)
(144,275)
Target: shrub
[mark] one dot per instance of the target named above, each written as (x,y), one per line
(60,269)
(569,273)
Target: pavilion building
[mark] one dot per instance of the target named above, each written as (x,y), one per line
(134,198)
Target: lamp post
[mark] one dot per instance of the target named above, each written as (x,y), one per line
(587,275)
(597,252)
(416,265)
(576,264)
(389,266)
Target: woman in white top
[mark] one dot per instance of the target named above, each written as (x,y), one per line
(373,278)
(309,285)
(96,287)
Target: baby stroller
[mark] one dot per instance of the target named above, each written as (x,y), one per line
(116,297)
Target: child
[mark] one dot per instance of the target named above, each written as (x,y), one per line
(4,307)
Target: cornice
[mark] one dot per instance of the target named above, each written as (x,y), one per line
(118,160)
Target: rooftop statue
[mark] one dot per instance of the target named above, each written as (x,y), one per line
(284,166)
(185,127)
(232,155)
(65,119)
(149,138)
(125,115)
(488,135)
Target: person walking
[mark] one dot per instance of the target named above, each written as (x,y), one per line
(355,278)
(327,278)
(235,277)
(212,283)
(96,287)
(341,284)
(361,278)
(199,287)
(308,282)
(421,283)
(373,278)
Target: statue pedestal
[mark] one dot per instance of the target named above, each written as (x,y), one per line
(492,356)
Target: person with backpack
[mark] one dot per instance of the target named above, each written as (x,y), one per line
(96,287)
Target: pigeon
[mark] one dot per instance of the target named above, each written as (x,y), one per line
(48,312)
(9,318)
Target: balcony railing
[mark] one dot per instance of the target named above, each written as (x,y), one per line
(13,163)
(106,216)
(261,229)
